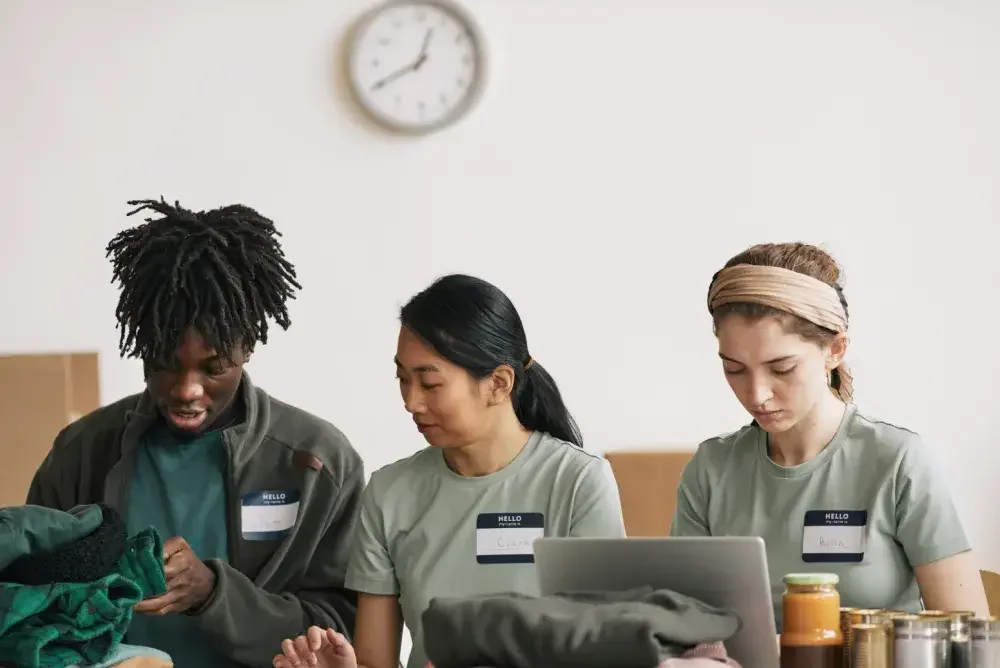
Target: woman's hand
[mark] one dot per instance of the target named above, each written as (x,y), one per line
(322,648)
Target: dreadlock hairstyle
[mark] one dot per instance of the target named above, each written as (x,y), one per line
(222,272)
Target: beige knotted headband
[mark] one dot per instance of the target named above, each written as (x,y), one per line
(788,291)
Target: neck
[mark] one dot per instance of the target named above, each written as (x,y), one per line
(810,436)
(490,454)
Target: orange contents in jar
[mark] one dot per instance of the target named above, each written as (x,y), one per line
(811,635)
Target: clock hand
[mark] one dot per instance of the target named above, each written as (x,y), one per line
(413,67)
(382,83)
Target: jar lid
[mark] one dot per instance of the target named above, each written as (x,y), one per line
(811,579)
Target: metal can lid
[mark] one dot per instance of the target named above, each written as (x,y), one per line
(811,579)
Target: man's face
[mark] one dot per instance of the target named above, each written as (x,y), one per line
(198,388)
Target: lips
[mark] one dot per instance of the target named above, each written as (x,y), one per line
(187,419)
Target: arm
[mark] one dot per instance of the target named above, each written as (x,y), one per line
(247,623)
(930,531)
(49,484)
(953,583)
(691,511)
(597,509)
(377,634)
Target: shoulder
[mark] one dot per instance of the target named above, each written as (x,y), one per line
(885,444)
(563,458)
(99,427)
(714,453)
(413,467)
(301,430)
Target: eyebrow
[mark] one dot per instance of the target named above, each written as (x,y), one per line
(420,369)
(772,361)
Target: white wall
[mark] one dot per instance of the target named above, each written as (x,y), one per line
(624,150)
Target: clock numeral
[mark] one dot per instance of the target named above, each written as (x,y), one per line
(384,41)
(459,38)
(396,23)
(375,62)
(399,100)
(460,82)
(467,60)
(421,15)
(444,100)
(421,108)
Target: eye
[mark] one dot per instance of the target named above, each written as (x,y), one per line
(784,372)
(731,372)
(429,387)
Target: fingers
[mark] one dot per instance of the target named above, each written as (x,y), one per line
(305,653)
(338,641)
(280,661)
(291,656)
(315,637)
(174,545)
(159,605)
(177,563)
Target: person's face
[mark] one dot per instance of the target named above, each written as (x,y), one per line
(778,376)
(197,388)
(448,405)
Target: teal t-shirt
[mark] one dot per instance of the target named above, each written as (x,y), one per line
(179,487)
(870,507)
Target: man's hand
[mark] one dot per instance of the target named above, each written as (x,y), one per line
(189,581)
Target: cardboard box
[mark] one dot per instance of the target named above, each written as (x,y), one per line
(647,483)
(39,395)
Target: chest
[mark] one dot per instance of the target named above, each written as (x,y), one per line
(467,542)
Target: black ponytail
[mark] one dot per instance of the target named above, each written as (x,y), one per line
(474,325)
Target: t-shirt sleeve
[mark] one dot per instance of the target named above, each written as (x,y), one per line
(370,570)
(927,522)
(597,509)
(691,509)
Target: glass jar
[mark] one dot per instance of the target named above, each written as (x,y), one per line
(811,635)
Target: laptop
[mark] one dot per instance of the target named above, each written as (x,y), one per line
(727,572)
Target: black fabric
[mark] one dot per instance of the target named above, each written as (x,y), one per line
(638,628)
(85,560)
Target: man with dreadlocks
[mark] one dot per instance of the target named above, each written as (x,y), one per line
(257,500)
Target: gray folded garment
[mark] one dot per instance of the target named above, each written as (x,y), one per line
(638,628)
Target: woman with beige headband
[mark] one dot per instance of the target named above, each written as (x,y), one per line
(827,487)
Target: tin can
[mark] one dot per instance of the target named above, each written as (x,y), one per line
(848,618)
(845,630)
(921,641)
(885,617)
(984,646)
(870,646)
(960,639)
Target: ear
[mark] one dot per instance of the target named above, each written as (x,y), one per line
(836,351)
(500,384)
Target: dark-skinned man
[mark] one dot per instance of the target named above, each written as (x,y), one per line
(256,499)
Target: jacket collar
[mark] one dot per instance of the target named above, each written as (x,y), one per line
(242,439)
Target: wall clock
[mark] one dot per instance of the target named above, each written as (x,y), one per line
(416,66)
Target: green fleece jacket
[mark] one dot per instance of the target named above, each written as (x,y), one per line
(268,590)
(67,623)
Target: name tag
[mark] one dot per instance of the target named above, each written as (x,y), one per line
(268,515)
(831,536)
(508,538)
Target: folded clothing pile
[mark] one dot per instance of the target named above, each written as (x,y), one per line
(638,628)
(68,581)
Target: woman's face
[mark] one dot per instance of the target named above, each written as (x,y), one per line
(448,405)
(778,376)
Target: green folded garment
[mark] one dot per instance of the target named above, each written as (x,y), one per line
(67,623)
(32,529)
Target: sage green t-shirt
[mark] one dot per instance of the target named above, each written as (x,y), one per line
(873,495)
(425,531)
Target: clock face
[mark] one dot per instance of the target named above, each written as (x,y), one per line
(416,65)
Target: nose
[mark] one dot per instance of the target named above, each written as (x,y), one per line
(188,388)
(760,391)
(413,398)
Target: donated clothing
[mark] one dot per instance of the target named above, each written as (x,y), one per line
(426,531)
(870,507)
(179,487)
(285,567)
(638,627)
(67,586)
